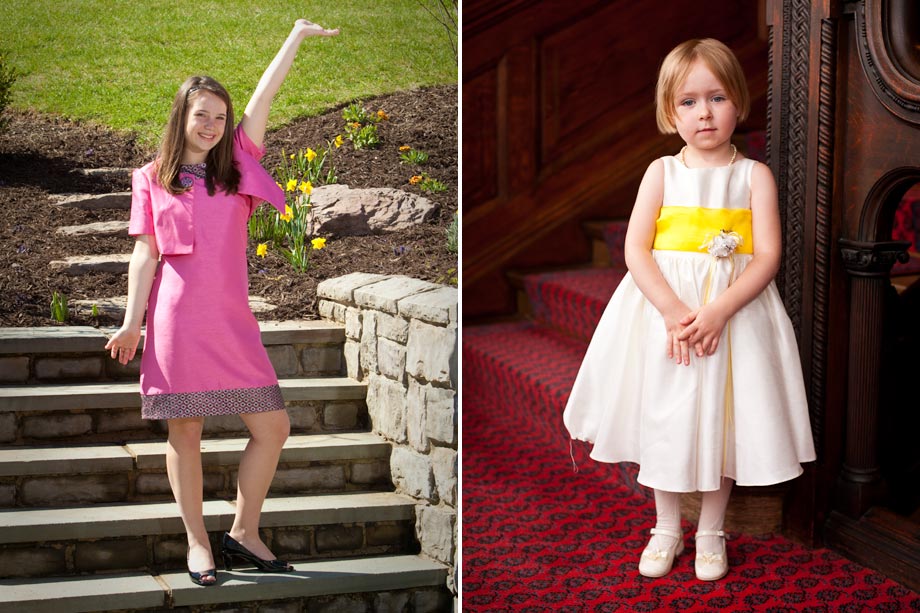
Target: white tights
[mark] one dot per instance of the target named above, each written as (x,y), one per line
(712,516)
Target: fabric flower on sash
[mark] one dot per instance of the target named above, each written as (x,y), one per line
(723,244)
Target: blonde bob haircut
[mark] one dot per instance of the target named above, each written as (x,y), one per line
(676,66)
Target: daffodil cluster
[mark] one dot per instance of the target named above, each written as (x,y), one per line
(289,233)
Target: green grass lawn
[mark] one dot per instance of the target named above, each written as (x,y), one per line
(120,62)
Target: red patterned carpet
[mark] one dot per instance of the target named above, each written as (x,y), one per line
(538,536)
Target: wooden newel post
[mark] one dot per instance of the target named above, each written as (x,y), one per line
(869,264)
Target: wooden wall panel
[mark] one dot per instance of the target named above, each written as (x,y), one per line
(569,89)
(480,140)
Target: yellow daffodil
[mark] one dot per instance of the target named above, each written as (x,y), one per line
(405,148)
(292,156)
(338,141)
(292,185)
(288,213)
(415,179)
(311,155)
(318,243)
(382,115)
(262,249)
(306,187)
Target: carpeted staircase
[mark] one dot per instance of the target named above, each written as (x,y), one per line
(539,535)
(87,521)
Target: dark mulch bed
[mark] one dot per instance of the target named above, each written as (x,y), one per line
(38,154)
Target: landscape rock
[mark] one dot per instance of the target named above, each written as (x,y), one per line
(339,210)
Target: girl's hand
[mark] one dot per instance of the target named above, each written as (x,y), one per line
(308,28)
(123,344)
(679,349)
(704,328)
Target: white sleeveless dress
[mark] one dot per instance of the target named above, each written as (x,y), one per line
(740,412)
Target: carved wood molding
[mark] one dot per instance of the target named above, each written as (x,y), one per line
(792,161)
(823,209)
(898,92)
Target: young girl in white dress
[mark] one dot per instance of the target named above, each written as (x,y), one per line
(693,371)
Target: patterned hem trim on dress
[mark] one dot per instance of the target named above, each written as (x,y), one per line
(216,402)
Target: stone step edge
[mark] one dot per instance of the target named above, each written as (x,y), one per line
(111,200)
(27,525)
(86,339)
(53,397)
(115,306)
(142,455)
(142,590)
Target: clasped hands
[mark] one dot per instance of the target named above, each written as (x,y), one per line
(698,328)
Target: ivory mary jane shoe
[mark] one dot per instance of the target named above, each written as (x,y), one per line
(711,566)
(657,562)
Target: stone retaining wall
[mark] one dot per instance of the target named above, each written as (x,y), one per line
(401,338)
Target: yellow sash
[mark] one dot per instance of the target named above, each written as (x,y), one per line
(687,228)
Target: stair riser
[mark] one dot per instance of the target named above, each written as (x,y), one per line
(115,425)
(164,552)
(289,360)
(295,478)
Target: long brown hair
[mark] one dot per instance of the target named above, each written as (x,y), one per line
(220,169)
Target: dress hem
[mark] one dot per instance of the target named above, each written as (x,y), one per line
(212,403)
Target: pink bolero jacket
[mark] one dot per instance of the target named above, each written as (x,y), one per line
(171,218)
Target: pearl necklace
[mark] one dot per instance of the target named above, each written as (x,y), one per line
(730,162)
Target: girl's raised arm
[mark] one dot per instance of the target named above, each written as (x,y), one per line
(255,117)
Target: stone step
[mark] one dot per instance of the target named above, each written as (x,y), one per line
(65,476)
(115,306)
(99,228)
(86,339)
(115,200)
(108,412)
(105,172)
(296,348)
(380,583)
(84,264)
(151,536)
(22,398)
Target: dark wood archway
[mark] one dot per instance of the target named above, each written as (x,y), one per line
(844,141)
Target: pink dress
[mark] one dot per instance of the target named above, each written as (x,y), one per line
(203,353)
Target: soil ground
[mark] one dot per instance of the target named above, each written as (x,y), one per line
(39,154)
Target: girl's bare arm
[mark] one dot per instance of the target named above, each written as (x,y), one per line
(141,272)
(640,236)
(255,117)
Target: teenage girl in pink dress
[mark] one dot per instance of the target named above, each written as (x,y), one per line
(203,353)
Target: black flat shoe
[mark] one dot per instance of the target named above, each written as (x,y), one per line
(231,548)
(199,578)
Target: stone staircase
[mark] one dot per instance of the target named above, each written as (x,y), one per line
(87,521)
(116,263)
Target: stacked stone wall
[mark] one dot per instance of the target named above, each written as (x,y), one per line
(401,339)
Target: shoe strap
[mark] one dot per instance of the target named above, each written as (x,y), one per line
(710,533)
(667,532)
